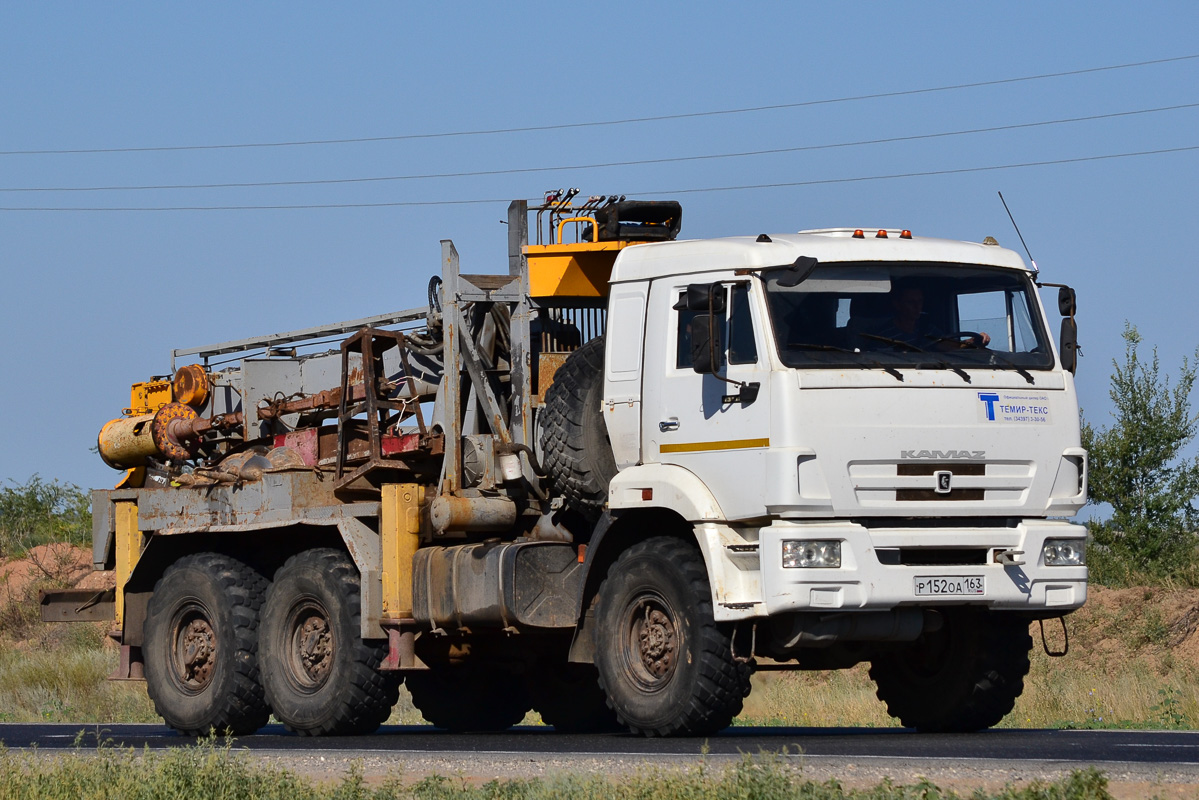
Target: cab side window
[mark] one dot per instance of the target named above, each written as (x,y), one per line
(743,347)
(683,349)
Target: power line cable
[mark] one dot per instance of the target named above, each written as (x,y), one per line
(816,182)
(960,171)
(608,164)
(600,123)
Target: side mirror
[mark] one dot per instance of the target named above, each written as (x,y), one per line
(702,297)
(1068,345)
(706,344)
(1067,302)
(798,272)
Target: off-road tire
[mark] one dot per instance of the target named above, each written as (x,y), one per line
(665,665)
(964,677)
(321,677)
(574,437)
(201,646)
(569,697)
(469,698)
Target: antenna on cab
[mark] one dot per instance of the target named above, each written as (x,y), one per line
(1017,227)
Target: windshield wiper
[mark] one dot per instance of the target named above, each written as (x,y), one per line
(939,364)
(834,349)
(1019,369)
(946,365)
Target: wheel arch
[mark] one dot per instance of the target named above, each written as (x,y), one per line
(613,534)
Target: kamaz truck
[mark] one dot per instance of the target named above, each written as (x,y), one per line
(607,481)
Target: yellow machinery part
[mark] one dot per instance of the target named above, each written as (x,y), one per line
(147,397)
(399,527)
(129,543)
(190,386)
(571,270)
(134,478)
(126,443)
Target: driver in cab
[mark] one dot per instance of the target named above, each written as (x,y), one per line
(911,326)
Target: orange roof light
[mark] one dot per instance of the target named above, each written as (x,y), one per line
(858,234)
(905,235)
(881,235)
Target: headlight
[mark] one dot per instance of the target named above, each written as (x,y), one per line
(815,555)
(1064,552)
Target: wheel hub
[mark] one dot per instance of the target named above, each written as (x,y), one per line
(311,650)
(197,646)
(656,638)
(315,644)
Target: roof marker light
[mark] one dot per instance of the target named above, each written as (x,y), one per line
(858,234)
(882,234)
(905,235)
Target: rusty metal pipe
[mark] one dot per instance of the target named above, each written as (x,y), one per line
(449,513)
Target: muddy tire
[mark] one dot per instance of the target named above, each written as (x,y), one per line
(574,438)
(201,646)
(569,697)
(964,677)
(665,665)
(469,698)
(321,677)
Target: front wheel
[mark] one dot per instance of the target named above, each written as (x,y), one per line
(665,665)
(965,676)
(321,677)
(201,646)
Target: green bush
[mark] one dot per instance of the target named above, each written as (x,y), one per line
(40,512)
(1136,467)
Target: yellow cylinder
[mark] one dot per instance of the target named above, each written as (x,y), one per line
(190,386)
(126,443)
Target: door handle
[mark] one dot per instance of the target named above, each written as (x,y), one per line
(668,425)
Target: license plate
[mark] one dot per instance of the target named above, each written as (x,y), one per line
(951,584)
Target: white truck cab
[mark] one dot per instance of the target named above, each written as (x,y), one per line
(872,463)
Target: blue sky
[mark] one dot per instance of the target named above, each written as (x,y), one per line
(93,301)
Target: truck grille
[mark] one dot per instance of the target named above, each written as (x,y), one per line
(923,468)
(931,557)
(903,484)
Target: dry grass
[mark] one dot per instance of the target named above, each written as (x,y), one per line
(844,698)
(63,679)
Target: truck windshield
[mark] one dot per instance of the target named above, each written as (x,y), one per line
(906,314)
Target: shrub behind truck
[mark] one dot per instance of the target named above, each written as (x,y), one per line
(607,485)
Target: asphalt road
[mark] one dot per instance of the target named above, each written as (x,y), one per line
(1163,748)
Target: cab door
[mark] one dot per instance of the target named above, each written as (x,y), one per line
(698,421)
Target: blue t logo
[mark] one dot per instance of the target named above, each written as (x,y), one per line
(990,400)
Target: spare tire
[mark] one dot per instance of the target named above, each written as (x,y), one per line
(574,437)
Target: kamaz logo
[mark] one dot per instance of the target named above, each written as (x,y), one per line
(938,455)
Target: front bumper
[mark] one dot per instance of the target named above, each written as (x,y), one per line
(865,581)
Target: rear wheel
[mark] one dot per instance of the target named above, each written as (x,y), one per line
(470,697)
(965,676)
(201,646)
(569,697)
(321,677)
(665,665)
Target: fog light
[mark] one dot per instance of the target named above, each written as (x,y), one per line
(1064,552)
(811,555)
